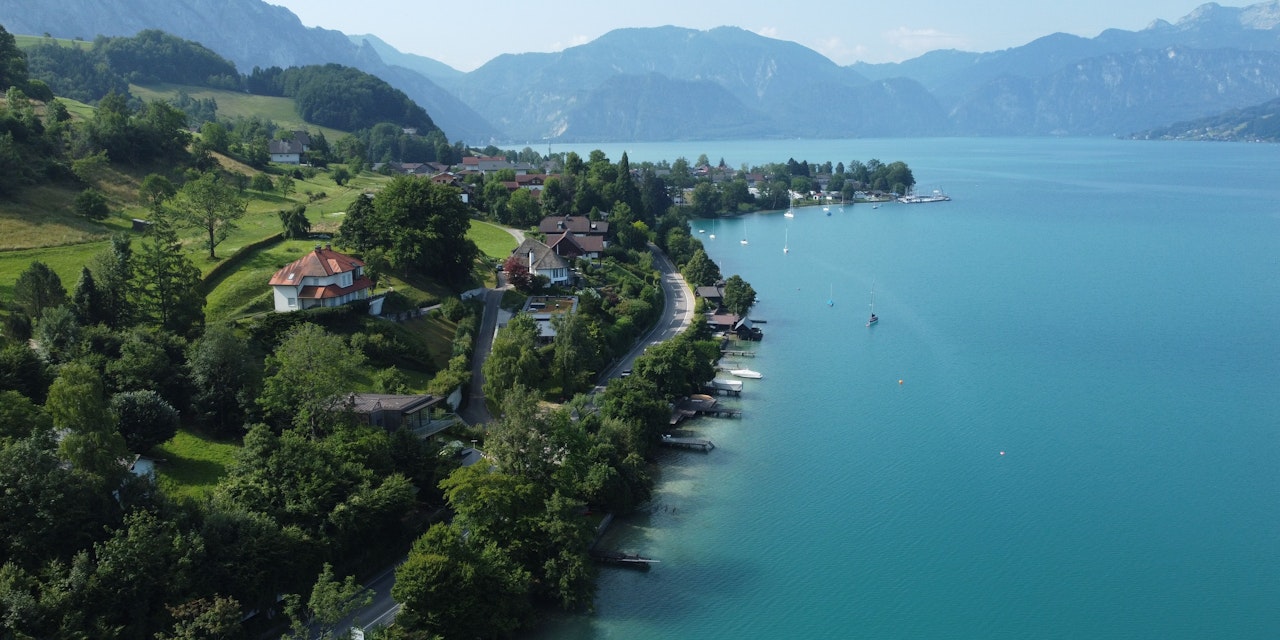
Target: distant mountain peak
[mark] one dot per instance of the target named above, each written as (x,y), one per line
(1263,16)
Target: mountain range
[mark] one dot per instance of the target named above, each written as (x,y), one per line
(672,83)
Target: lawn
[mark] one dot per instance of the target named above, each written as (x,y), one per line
(231,104)
(193,464)
(493,241)
(245,291)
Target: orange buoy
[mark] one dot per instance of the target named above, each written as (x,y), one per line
(899,381)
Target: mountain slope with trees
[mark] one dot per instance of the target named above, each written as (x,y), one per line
(1055,85)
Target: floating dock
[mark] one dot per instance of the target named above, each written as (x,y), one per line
(696,444)
(618,558)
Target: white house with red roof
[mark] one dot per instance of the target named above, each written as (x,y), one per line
(322,278)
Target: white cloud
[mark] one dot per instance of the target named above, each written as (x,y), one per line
(574,41)
(914,42)
(768,32)
(837,50)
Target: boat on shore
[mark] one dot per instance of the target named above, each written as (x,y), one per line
(746,373)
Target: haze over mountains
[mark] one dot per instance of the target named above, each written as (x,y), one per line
(671,83)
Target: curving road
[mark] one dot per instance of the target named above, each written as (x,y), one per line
(677,315)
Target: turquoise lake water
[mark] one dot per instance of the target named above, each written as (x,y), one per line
(1105,313)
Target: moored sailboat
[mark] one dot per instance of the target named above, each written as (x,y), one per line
(873,318)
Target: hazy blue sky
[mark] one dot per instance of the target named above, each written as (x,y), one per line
(465,35)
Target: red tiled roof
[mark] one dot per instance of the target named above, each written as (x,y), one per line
(333,290)
(319,263)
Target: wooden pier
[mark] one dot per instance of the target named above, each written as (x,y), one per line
(738,353)
(696,444)
(700,405)
(618,558)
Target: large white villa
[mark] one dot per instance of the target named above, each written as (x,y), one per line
(322,278)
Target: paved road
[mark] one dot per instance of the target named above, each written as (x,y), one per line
(475,411)
(677,313)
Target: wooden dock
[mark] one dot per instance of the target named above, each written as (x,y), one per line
(738,353)
(696,444)
(701,405)
(620,559)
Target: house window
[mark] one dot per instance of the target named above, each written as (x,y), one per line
(293,303)
(345,279)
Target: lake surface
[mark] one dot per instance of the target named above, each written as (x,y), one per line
(1065,425)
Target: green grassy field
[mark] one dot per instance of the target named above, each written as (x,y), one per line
(233,103)
(493,241)
(24,42)
(193,464)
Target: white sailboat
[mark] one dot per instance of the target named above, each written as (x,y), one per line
(831,298)
(743,241)
(786,235)
(791,205)
(873,319)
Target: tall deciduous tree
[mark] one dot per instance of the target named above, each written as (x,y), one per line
(701,271)
(454,586)
(144,419)
(211,206)
(308,379)
(421,225)
(295,222)
(738,295)
(77,405)
(331,600)
(225,380)
(513,359)
(155,189)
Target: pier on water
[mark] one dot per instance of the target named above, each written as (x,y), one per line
(618,558)
(700,404)
(737,353)
(696,444)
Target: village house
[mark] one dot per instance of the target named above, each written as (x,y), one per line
(486,164)
(290,151)
(544,308)
(530,181)
(542,261)
(580,226)
(392,411)
(568,246)
(321,278)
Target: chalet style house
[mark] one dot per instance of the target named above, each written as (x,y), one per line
(542,261)
(290,151)
(575,236)
(322,278)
